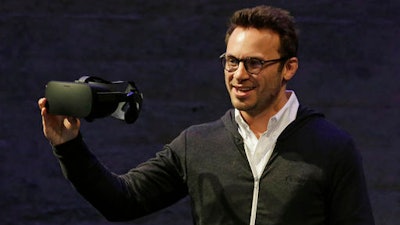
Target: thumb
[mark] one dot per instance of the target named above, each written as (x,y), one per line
(71,122)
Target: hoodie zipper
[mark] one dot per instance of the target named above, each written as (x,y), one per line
(253,214)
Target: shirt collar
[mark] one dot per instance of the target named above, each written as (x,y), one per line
(279,121)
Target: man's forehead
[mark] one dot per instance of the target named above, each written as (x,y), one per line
(252,40)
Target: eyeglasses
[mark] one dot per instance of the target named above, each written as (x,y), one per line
(252,65)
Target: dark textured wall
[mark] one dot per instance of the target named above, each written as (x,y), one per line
(349,55)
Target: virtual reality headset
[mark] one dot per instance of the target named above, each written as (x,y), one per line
(93,97)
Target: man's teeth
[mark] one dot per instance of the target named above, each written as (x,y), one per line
(245,89)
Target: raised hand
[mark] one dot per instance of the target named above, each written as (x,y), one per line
(58,129)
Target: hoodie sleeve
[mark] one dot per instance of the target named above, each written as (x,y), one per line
(349,198)
(151,186)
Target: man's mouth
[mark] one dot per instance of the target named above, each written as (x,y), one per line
(241,91)
(244,89)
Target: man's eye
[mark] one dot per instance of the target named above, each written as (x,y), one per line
(254,63)
(232,61)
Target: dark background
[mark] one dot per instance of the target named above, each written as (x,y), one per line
(349,69)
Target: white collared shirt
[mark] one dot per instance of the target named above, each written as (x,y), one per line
(259,151)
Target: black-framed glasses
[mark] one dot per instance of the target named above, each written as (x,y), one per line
(252,65)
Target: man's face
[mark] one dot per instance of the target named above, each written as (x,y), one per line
(251,93)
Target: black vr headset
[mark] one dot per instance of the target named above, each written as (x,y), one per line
(93,97)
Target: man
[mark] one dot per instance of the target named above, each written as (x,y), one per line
(267,161)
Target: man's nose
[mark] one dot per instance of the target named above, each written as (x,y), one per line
(241,72)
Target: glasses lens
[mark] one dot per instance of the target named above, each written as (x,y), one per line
(253,65)
(230,64)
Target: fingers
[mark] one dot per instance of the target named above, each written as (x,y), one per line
(42,106)
(58,129)
(42,103)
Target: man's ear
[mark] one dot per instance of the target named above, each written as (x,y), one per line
(290,68)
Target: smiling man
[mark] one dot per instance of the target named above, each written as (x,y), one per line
(257,87)
(268,160)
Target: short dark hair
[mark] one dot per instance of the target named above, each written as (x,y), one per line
(267,17)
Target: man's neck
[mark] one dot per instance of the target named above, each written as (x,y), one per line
(258,121)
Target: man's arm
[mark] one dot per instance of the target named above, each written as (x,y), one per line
(151,186)
(155,184)
(349,199)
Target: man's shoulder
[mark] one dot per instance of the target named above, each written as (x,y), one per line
(311,122)
(225,120)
